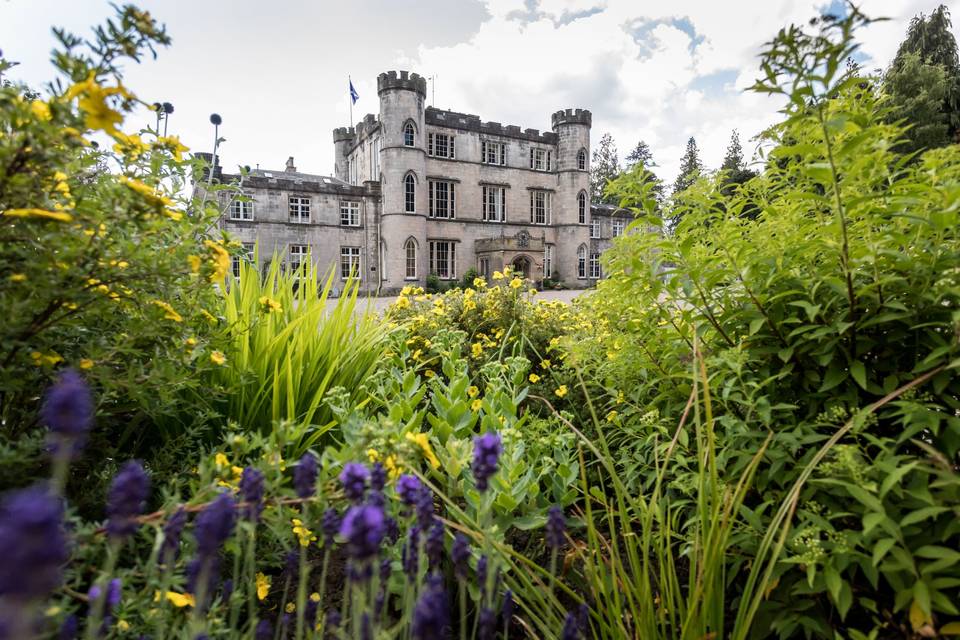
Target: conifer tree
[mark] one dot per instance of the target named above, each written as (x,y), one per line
(604,166)
(643,156)
(690,168)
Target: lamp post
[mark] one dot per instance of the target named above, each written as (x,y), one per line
(215,120)
(167,110)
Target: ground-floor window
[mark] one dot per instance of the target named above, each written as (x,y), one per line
(296,255)
(410,254)
(349,262)
(595,266)
(547,260)
(483,266)
(443,259)
(582,262)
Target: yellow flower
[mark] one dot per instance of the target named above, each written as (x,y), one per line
(218,358)
(194,263)
(561,391)
(291,607)
(373,454)
(479,283)
(534,378)
(173,144)
(123,625)
(169,312)
(270,305)
(40,109)
(545,364)
(497,275)
(476,405)
(221,460)
(179,600)
(393,469)
(423,441)
(516,283)
(476,349)
(314,597)
(303,534)
(210,318)
(18,277)
(263,586)
(429,373)
(402,302)
(221,260)
(612,416)
(191,342)
(149,193)
(473,391)
(532,292)
(38,213)
(86,363)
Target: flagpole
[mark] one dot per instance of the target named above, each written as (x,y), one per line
(350,98)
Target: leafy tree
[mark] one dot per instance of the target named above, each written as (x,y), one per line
(604,167)
(690,167)
(923,82)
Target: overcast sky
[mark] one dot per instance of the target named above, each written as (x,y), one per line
(277,71)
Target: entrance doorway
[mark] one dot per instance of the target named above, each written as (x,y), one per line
(521,266)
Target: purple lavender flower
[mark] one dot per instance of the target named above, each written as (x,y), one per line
(408,488)
(215,524)
(556,527)
(434,544)
(354,479)
(68,630)
(171,535)
(378,477)
(330,524)
(377,499)
(507,609)
(206,568)
(291,563)
(226,590)
(411,552)
(34,544)
(393,530)
(486,624)
(126,499)
(366,630)
(425,508)
(386,566)
(363,528)
(333,620)
(310,613)
(305,476)
(68,408)
(264,630)
(482,572)
(583,618)
(251,489)
(571,630)
(431,615)
(486,456)
(460,556)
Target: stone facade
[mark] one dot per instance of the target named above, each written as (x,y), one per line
(419,191)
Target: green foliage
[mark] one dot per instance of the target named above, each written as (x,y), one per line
(690,168)
(288,344)
(604,167)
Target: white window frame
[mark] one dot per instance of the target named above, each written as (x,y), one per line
(595,271)
(618,227)
(410,261)
(409,193)
(540,203)
(449,248)
(350,263)
(299,209)
(547,260)
(349,213)
(241,210)
(409,135)
(441,145)
(492,152)
(299,251)
(442,199)
(494,204)
(582,208)
(582,262)
(539,159)
(483,267)
(582,160)
(594,228)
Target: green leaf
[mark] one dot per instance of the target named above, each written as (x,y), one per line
(922,514)
(859,373)
(881,549)
(833,580)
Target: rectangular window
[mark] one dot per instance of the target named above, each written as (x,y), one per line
(241,210)
(547,260)
(618,228)
(494,204)
(349,213)
(539,159)
(594,228)
(493,153)
(442,199)
(440,145)
(349,262)
(582,262)
(595,266)
(299,209)
(540,207)
(443,259)
(296,255)
(483,266)
(245,255)
(410,251)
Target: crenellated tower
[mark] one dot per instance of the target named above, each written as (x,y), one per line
(572,127)
(343,140)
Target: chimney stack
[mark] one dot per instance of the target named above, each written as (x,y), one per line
(290,166)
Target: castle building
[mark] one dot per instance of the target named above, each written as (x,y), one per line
(420,191)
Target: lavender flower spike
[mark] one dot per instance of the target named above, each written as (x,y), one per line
(305,476)
(34,544)
(251,490)
(354,479)
(431,615)
(171,535)
(460,556)
(486,456)
(556,527)
(215,524)
(363,528)
(126,499)
(408,488)
(68,406)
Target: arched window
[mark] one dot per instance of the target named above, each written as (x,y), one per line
(410,194)
(582,160)
(582,261)
(410,259)
(409,135)
(582,208)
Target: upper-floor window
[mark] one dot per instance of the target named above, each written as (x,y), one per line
(409,135)
(443,259)
(618,227)
(540,207)
(349,213)
(442,196)
(297,255)
(595,266)
(582,208)
(440,145)
(494,204)
(241,210)
(410,194)
(582,160)
(493,152)
(595,228)
(349,262)
(540,159)
(299,209)
(582,261)
(374,164)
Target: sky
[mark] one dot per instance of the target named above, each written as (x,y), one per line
(276,72)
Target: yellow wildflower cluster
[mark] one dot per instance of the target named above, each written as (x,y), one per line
(219,258)
(422,441)
(390,464)
(304,535)
(169,312)
(269,305)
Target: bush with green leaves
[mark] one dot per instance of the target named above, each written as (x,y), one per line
(828,323)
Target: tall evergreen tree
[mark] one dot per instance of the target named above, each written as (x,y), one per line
(690,167)
(604,166)
(642,154)
(733,159)
(923,82)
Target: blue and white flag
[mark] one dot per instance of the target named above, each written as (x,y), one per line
(354,96)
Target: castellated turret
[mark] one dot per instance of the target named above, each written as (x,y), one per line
(402,158)
(343,140)
(572,127)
